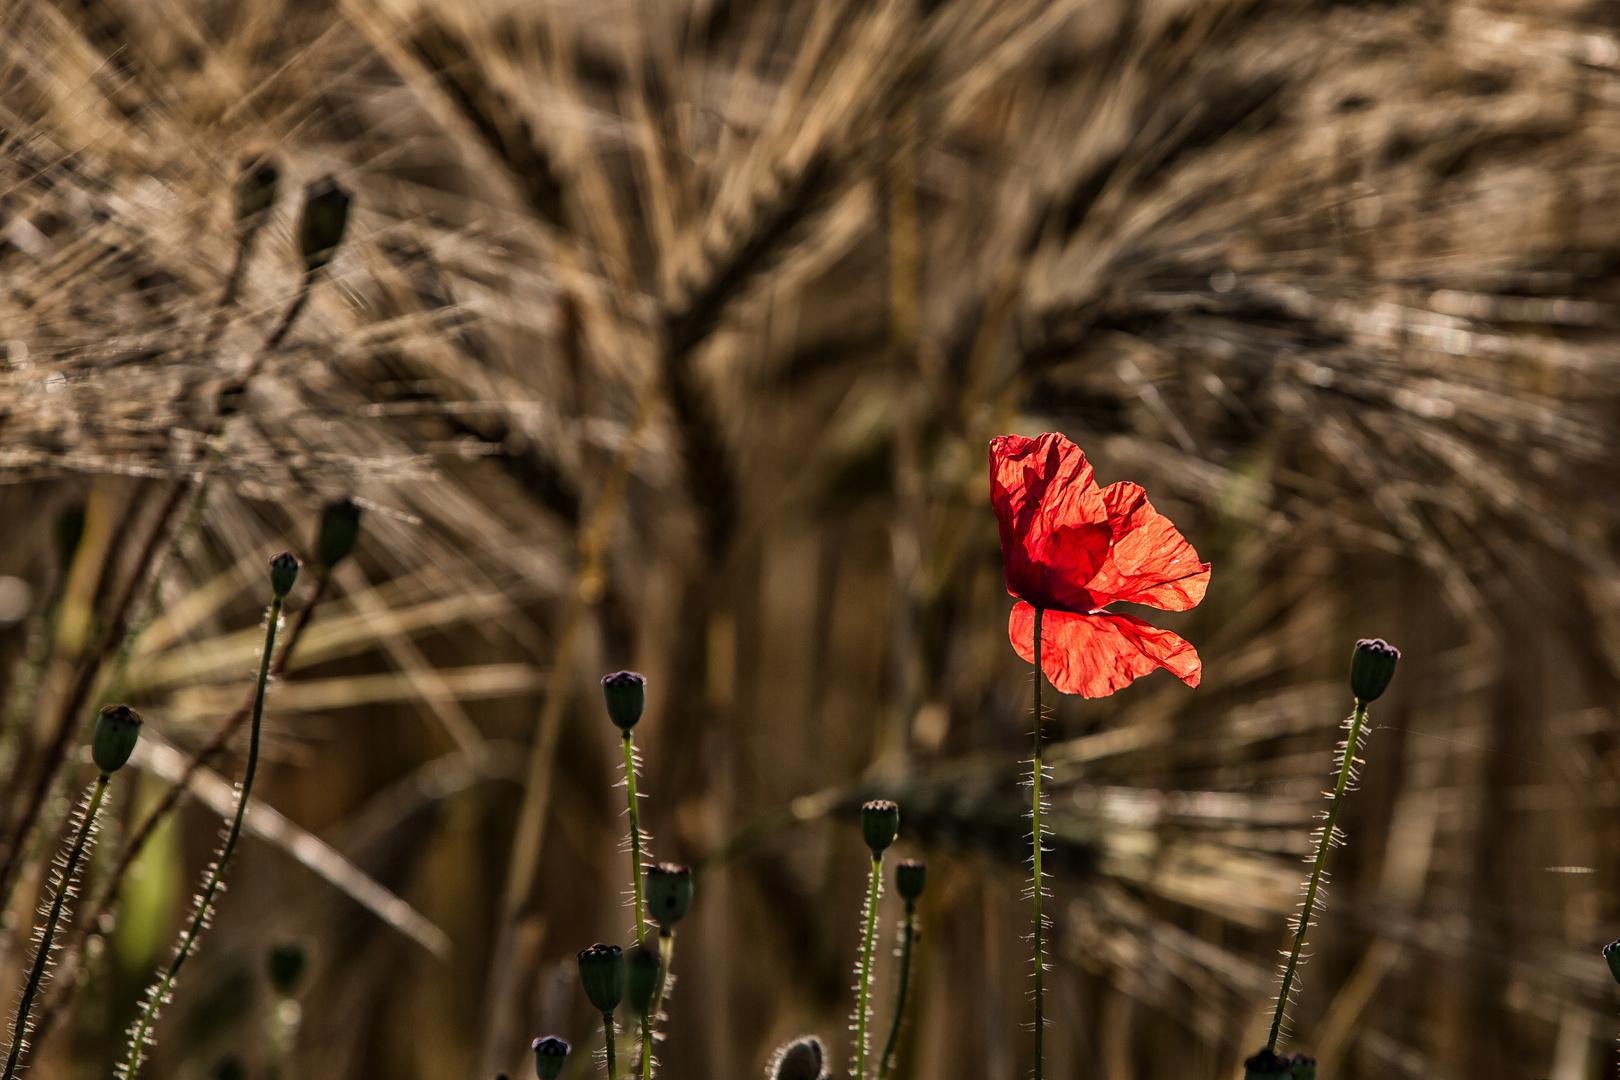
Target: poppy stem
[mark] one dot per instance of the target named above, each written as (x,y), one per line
(863,1011)
(635,832)
(900,998)
(1346,767)
(1035,871)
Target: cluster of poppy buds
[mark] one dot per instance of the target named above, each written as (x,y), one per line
(322,223)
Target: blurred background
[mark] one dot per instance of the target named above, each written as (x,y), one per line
(670,336)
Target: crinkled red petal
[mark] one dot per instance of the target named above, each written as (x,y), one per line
(1054,524)
(1095,655)
(1150,562)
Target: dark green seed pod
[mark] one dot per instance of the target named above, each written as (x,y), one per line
(118,729)
(797,1060)
(283,573)
(322,224)
(1611,953)
(669,893)
(601,970)
(256,188)
(340,528)
(286,965)
(880,822)
(626,695)
(1301,1067)
(1372,665)
(645,972)
(910,878)
(550,1054)
(1266,1065)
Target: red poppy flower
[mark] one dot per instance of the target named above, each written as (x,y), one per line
(1071,548)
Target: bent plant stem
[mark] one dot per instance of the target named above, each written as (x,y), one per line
(635,832)
(1035,862)
(1345,769)
(862,1009)
(900,998)
(37,975)
(188,941)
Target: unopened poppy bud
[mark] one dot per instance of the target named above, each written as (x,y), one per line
(669,893)
(118,729)
(283,573)
(1371,667)
(645,972)
(550,1054)
(256,188)
(626,696)
(601,970)
(286,964)
(1611,953)
(880,821)
(340,528)
(910,877)
(1301,1067)
(797,1060)
(1266,1065)
(325,217)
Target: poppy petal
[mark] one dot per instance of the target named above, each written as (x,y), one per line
(1095,655)
(1150,561)
(1053,522)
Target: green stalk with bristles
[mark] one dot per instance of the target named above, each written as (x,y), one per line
(36,976)
(612,1054)
(635,832)
(142,1029)
(908,935)
(869,934)
(1037,836)
(1346,767)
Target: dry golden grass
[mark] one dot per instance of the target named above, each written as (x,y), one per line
(670,336)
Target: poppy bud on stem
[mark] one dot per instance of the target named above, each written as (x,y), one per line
(283,574)
(626,694)
(880,821)
(909,879)
(1372,665)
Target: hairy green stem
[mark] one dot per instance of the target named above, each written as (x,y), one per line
(1037,836)
(188,941)
(635,832)
(1346,767)
(900,998)
(646,1044)
(666,951)
(864,994)
(612,1055)
(37,975)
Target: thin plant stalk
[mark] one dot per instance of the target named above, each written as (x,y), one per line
(900,998)
(37,975)
(635,832)
(612,1054)
(862,1009)
(646,1044)
(1037,837)
(188,941)
(1346,768)
(666,952)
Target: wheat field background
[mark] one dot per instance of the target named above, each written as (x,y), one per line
(671,336)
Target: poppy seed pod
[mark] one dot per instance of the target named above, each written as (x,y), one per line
(118,728)
(550,1054)
(1372,666)
(880,822)
(1301,1067)
(669,893)
(797,1060)
(1611,953)
(645,972)
(1266,1065)
(340,528)
(601,971)
(256,188)
(910,878)
(325,217)
(626,695)
(283,573)
(286,965)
